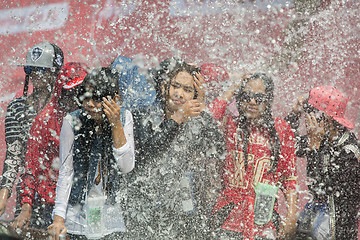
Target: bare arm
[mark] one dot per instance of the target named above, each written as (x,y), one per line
(24,217)
(4,193)
(112,111)
(288,225)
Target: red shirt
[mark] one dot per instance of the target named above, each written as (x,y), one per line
(42,156)
(240,183)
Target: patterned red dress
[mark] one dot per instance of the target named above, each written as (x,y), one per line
(240,182)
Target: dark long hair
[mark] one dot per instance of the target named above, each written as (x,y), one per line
(97,84)
(166,72)
(268,119)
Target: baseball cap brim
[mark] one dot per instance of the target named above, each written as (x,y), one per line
(73,83)
(345,122)
(34,65)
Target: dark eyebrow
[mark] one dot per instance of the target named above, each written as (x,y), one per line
(188,87)
(183,86)
(175,82)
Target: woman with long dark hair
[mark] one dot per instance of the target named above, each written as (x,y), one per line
(96,148)
(174,142)
(260,159)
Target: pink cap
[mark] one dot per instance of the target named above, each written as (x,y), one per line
(332,102)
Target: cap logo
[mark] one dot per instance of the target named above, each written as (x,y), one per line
(58,60)
(36,53)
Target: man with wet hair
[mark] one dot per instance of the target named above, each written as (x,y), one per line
(174,139)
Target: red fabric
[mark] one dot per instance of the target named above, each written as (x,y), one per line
(42,156)
(239,184)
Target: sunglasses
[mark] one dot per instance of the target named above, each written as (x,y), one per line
(258,97)
(30,69)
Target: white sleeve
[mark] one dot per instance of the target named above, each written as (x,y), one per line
(66,172)
(125,155)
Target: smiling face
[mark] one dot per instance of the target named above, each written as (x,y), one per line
(253,100)
(181,90)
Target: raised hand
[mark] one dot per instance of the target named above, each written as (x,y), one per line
(189,109)
(315,130)
(112,110)
(298,105)
(199,86)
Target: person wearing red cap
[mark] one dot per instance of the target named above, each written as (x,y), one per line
(38,185)
(260,160)
(333,167)
(42,67)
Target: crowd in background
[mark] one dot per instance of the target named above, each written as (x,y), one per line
(111,153)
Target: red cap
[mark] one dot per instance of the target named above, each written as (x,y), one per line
(75,72)
(332,102)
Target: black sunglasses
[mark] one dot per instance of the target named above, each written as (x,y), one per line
(29,69)
(258,97)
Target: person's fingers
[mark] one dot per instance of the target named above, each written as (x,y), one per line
(107,112)
(54,232)
(51,231)
(18,223)
(313,121)
(307,119)
(301,99)
(195,104)
(63,230)
(196,110)
(199,86)
(109,103)
(195,101)
(199,78)
(107,109)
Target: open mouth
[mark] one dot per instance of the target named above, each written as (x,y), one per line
(177,102)
(252,109)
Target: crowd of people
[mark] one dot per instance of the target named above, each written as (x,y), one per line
(111,153)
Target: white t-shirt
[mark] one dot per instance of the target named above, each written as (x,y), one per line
(75,218)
